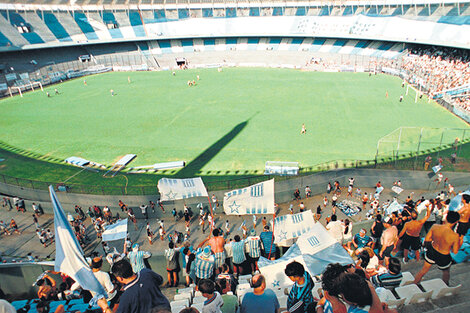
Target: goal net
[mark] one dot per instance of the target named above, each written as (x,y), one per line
(407,142)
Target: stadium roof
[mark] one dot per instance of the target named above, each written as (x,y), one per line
(227,2)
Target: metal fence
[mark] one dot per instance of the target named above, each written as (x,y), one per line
(404,161)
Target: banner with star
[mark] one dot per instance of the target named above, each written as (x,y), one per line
(177,189)
(314,250)
(255,199)
(292,225)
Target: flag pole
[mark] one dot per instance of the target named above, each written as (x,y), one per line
(272,237)
(212,215)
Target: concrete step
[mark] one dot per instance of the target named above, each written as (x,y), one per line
(459,274)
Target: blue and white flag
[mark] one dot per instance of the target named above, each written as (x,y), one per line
(314,250)
(255,199)
(69,257)
(176,189)
(393,207)
(115,231)
(456,202)
(436,168)
(292,225)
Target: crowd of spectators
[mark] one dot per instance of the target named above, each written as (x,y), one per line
(217,262)
(440,69)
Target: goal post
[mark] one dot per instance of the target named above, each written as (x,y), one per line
(406,142)
(22,88)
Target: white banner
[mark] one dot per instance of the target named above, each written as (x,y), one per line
(437,168)
(176,189)
(314,250)
(397,189)
(255,199)
(116,231)
(317,239)
(292,225)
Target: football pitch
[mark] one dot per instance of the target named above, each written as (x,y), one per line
(230,122)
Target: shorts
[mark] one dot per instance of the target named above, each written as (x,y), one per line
(172,271)
(252,260)
(462,228)
(443,261)
(410,242)
(387,252)
(219,259)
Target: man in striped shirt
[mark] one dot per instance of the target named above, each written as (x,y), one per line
(267,239)
(300,298)
(205,264)
(253,243)
(238,250)
(137,257)
(390,279)
(217,244)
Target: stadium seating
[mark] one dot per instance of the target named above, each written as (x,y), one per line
(82,21)
(54,25)
(439,288)
(412,294)
(136,22)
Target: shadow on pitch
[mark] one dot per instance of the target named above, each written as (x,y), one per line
(201,160)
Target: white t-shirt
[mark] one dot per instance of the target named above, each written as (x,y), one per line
(105,281)
(214,305)
(336,230)
(373,263)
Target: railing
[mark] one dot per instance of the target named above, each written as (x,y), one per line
(404,161)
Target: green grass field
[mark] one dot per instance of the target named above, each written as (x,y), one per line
(232,122)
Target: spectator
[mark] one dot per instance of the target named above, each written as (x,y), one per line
(137,257)
(376,231)
(300,298)
(330,301)
(253,243)
(230,301)
(388,241)
(267,238)
(204,264)
(143,208)
(360,241)
(335,228)
(261,300)
(355,291)
(214,300)
(105,281)
(297,194)
(409,235)
(172,265)
(238,250)
(368,262)
(440,241)
(347,231)
(231,281)
(392,278)
(4,228)
(141,290)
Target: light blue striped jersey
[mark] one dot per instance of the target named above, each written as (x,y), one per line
(238,249)
(204,266)
(267,237)
(137,260)
(356,309)
(254,246)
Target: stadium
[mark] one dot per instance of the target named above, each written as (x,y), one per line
(103,99)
